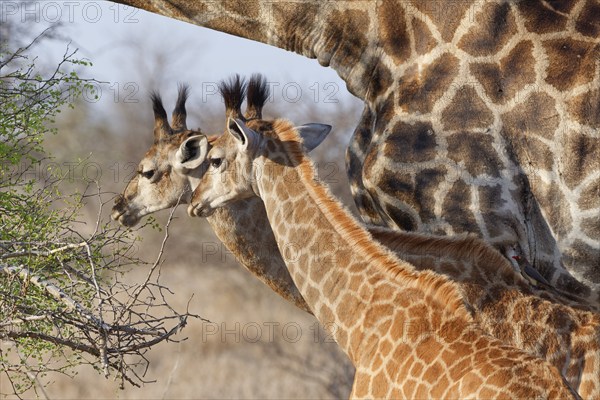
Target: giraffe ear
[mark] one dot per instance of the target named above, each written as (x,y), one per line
(313,134)
(192,152)
(244,135)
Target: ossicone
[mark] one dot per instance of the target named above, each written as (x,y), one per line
(233,92)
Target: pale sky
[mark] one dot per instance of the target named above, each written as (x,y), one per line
(124,45)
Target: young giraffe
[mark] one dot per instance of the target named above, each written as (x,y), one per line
(568,341)
(407,332)
(480,116)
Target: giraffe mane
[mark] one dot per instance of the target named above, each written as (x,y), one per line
(466,246)
(352,231)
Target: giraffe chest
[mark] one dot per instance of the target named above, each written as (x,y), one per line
(489,125)
(423,177)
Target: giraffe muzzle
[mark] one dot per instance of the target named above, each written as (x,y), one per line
(195,210)
(123,214)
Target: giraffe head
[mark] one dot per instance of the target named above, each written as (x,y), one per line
(232,160)
(171,167)
(166,173)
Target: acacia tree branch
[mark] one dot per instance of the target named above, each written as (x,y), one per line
(42,253)
(51,339)
(61,291)
(24,274)
(23,320)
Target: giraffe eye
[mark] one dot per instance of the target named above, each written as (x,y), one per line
(216,162)
(147,174)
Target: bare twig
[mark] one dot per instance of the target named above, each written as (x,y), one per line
(23,320)
(42,253)
(23,272)
(158,261)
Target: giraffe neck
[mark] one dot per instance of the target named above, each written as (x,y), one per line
(337,35)
(243,219)
(373,303)
(332,259)
(495,293)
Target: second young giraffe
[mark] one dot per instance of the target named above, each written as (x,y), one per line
(408,332)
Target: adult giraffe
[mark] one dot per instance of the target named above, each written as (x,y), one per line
(480,116)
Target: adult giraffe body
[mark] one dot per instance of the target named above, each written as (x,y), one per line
(479,117)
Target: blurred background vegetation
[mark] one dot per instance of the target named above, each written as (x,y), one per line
(256,345)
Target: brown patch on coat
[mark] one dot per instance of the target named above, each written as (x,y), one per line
(572,62)
(583,157)
(246,8)
(240,28)
(581,253)
(558,218)
(588,22)
(476,152)
(467,111)
(397,184)
(379,79)
(591,227)
(456,213)
(411,143)
(417,194)
(534,149)
(490,198)
(419,92)
(401,218)
(585,108)
(536,116)
(344,36)
(493,27)
(561,5)
(490,201)
(424,40)
(427,182)
(384,112)
(393,34)
(502,81)
(539,18)
(293,31)
(445,15)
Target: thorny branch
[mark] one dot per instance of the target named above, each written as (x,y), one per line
(63,299)
(115,332)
